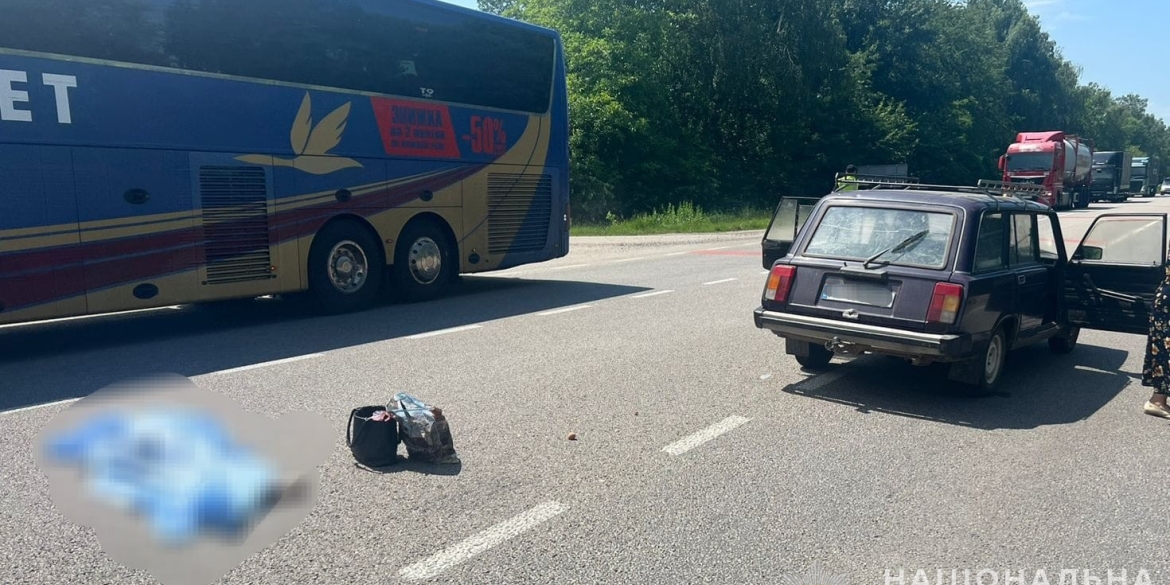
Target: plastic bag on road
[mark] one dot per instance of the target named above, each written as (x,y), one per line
(424,431)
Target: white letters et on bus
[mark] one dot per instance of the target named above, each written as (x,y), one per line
(11,96)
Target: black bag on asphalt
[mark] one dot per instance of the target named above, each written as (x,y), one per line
(373,442)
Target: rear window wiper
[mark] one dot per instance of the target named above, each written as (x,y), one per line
(901,247)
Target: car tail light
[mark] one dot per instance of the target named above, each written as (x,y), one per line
(779,283)
(944,305)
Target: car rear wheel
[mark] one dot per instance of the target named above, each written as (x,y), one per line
(994,357)
(818,358)
(1065,343)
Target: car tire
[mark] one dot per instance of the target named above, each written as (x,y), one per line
(424,262)
(1065,344)
(345,268)
(818,358)
(993,361)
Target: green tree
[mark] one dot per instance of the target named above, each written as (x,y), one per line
(732,102)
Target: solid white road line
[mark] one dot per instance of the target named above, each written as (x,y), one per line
(627,260)
(677,253)
(94,316)
(444,331)
(266,364)
(719,281)
(45,405)
(651,294)
(570,266)
(564,310)
(498,534)
(687,443)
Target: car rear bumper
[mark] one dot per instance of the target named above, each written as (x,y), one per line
(862,337)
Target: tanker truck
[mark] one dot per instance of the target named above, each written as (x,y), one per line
(1060,162)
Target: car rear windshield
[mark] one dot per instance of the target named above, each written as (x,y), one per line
(860,233)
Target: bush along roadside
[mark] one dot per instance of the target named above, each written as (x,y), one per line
(684,218)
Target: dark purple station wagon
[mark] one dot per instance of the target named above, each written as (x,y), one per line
(957,275)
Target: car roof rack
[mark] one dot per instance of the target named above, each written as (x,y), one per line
(1013,189)
(993,189)
(873,181)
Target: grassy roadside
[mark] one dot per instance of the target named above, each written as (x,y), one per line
(683,219)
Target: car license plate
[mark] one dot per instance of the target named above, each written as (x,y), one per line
(859,293)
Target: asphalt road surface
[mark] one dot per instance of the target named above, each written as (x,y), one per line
(704,454)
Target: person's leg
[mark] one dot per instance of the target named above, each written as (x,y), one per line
(1156,405)
(1159,397)
(1154,372)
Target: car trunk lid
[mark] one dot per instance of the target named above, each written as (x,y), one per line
(875,264)
(891,297)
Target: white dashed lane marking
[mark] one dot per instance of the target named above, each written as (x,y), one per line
(690,442)
(465,550)
(444,331)
(651,294)
(35,407)
(267,364)
(564,310)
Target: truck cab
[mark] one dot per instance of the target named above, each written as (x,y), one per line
(1111,174)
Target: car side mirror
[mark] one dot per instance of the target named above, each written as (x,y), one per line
(1091,253)
(1002,159)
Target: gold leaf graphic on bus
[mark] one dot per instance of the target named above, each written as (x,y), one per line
(311,143)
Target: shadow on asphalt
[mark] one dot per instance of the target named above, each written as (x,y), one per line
(47,362)
(1038,389)
(405,464)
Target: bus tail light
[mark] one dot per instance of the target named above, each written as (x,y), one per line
(944,304)
(779,283)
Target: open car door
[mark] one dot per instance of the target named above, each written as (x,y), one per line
(786,222)
(1115,271)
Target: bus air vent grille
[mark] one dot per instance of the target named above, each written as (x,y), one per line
(235,224)
(519,212)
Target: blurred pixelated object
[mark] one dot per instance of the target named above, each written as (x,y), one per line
(179,467)
(424,431)
(179,481)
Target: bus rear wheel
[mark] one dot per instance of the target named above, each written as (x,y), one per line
(424,262)
(345,268)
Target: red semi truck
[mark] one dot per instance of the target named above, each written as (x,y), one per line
(1061,163)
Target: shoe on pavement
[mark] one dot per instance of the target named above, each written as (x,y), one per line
(1157,410)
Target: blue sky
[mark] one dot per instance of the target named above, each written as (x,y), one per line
(1114,42)
(467,3)
(1117,43)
